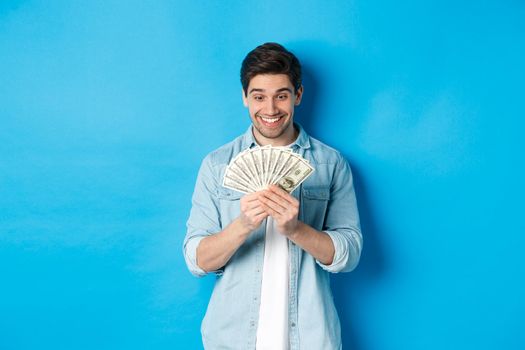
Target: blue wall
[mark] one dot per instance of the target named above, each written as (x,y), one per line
(108,107)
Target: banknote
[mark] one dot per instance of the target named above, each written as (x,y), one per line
(257,163)
(256,168)
(234,185)
(266,157)
(246,163)
(232,175)
(295,176)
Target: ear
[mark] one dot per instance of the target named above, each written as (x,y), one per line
(244,98)
(299,95)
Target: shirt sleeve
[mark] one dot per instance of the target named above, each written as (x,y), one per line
(342,221)
(204,219)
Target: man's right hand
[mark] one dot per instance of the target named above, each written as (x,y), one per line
(252,212)
(215,251)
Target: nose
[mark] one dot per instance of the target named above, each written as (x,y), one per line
(271,108)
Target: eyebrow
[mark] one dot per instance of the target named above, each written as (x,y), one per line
(278,90)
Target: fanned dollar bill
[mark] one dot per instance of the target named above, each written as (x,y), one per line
(256,168)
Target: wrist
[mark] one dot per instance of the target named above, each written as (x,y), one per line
(241,227)
(293,234)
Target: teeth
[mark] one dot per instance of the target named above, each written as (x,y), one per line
(270,120)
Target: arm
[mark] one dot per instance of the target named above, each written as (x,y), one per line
(216,250)
(342,220)
(207,246)
(338,247)
(317,243)
(284,208)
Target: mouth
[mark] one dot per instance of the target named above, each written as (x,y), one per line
(271,122)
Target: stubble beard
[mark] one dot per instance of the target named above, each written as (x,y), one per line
(273,134)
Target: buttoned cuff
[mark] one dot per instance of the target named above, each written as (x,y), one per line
(346,255)
(191,257)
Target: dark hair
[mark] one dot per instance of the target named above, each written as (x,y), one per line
(270,58)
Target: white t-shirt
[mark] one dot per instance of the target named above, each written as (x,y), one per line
(272,331)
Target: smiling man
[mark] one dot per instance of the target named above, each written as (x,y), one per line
(271,99)
(273,251)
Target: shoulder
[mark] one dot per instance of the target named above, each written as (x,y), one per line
(224,154)
(324,154)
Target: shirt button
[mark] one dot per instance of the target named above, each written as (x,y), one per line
(252,324)
(293,324)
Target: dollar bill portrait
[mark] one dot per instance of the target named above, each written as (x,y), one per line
(287,184)
(273,215)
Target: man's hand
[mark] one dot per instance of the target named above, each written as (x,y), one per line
(252,211)
(215,251)
(282,206)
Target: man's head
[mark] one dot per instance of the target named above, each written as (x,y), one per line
(270,58)
(271,82)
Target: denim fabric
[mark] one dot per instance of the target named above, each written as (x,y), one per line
(328,204)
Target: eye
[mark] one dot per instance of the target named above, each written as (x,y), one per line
(282,97)
(258,98)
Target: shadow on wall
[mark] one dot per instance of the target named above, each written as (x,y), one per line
(347,287)
(307,110)
(330,96)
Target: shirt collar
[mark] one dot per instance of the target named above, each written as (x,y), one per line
(302,141)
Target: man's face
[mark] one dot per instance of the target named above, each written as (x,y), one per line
(271,100)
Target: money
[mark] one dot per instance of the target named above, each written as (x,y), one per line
(295,176)
(256,168)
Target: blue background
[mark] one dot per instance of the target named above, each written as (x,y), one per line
(108,107)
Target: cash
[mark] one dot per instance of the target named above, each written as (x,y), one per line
(256,168)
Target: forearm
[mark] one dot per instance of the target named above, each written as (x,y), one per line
(216,250)
(317,243)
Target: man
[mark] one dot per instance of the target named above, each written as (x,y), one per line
(273,251)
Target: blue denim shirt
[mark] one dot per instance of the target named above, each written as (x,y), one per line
(327,203)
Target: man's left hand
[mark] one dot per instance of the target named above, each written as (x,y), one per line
(282,206)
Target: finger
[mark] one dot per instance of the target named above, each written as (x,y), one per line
(268,195)
(283,194)
(255,211)
(251,204)
(257,219)
(250,197)
(274,205)
(273,213)
(261,216)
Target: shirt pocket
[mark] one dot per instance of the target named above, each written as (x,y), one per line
(229,202)
(314,205)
